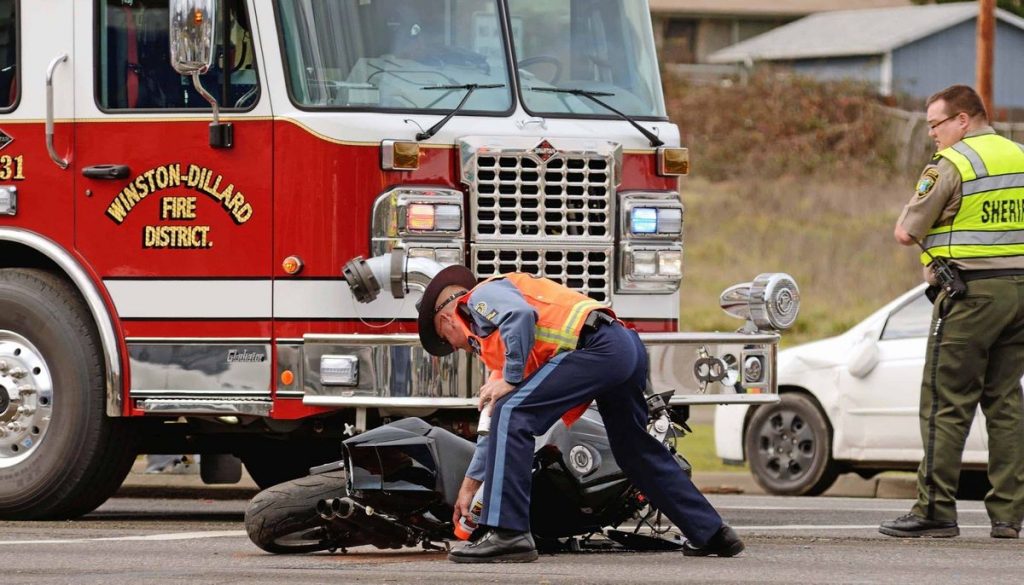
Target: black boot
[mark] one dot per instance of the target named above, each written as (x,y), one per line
(725,543)
(1005,530)
(911,526)
(497,546)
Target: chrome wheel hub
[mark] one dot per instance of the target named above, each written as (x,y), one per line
(26,398)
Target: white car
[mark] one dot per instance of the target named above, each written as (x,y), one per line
(848,403)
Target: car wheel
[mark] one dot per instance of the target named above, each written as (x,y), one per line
(789,448)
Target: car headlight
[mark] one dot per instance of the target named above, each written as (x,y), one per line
(770,301)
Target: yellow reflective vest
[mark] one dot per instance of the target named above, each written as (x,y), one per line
(990,221)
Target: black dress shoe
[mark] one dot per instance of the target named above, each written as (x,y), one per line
(725,543)
(911,526)
(1005,530)
(497,546)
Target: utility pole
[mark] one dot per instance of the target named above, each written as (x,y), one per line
(986,45)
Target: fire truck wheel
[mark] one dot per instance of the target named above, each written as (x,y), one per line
(284,520)
(60,455)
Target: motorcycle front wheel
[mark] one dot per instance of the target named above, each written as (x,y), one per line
(282,519)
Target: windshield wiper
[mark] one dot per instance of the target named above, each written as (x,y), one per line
(470,88)
(592,96)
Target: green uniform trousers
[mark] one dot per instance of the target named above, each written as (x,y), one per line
(975,356)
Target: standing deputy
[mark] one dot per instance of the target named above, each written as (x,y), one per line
(969,209)
(551,351)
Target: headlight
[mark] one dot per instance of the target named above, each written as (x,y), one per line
(430,218)
(651,230)
(770,301)
(658,270)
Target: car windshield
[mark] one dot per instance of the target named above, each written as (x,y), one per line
(392,54)
(594,45)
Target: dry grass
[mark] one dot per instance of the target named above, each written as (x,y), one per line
(796,177)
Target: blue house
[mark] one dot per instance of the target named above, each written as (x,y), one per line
(913,50)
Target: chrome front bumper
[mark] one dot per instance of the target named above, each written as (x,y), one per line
(395,373)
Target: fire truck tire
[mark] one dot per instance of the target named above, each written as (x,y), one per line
(283,519)
(61,456)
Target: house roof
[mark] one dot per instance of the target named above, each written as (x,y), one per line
(847,33)
(777,8)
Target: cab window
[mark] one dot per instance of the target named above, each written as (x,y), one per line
(911,320)
(134,58)
(8,54)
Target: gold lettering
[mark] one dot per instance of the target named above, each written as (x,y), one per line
(19,173)
(116,211)
(161,177)
(178,208)
(176,237)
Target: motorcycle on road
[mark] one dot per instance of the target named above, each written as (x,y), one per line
(396,487)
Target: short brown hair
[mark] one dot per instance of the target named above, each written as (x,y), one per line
(960,98)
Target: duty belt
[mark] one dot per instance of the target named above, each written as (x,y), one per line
(593,322)
(969,275)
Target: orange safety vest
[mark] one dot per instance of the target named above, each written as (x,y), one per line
(561,313)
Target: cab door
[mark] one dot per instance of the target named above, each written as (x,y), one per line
(35,189)
(177,229)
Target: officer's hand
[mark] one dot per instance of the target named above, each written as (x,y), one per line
(465,500)
(492,391)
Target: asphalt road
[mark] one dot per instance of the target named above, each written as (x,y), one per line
(789,540)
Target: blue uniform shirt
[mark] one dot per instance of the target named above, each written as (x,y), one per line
(499,306)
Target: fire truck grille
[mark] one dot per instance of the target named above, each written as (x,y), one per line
(584,269)
(516,195)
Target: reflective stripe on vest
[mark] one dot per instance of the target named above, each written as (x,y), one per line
(990,221)
(561,313)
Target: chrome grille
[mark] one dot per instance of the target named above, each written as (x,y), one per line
(584,269)
(519,195)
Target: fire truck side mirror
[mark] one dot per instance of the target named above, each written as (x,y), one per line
(192,38)
(192,24)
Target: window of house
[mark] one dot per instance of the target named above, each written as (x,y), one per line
(680,41)
(8,54)
(134,58)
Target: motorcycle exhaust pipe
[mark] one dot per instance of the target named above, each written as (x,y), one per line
(380,530)
(323,508)
(343,508)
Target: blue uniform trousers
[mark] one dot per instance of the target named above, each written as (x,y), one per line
(611,368)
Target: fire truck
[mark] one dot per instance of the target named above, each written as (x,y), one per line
(216,217)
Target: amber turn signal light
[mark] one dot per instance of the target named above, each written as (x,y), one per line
(287,377)
(673,162)
(292,265)
(396,155)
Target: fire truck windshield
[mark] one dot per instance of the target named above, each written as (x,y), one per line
(604,46)
(391,54)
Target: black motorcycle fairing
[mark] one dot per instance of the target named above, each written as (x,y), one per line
(409,465)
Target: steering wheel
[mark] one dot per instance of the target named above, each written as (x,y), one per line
(547,60)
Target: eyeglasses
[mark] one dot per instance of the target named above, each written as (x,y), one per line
(941,122)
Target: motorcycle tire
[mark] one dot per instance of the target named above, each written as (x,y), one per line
(282,519)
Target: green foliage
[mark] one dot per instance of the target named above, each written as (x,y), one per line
(791,176)
(780,124)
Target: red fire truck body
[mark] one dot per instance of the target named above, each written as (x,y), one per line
(165,291)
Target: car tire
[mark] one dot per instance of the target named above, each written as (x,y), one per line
(61,456)
(789,447)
